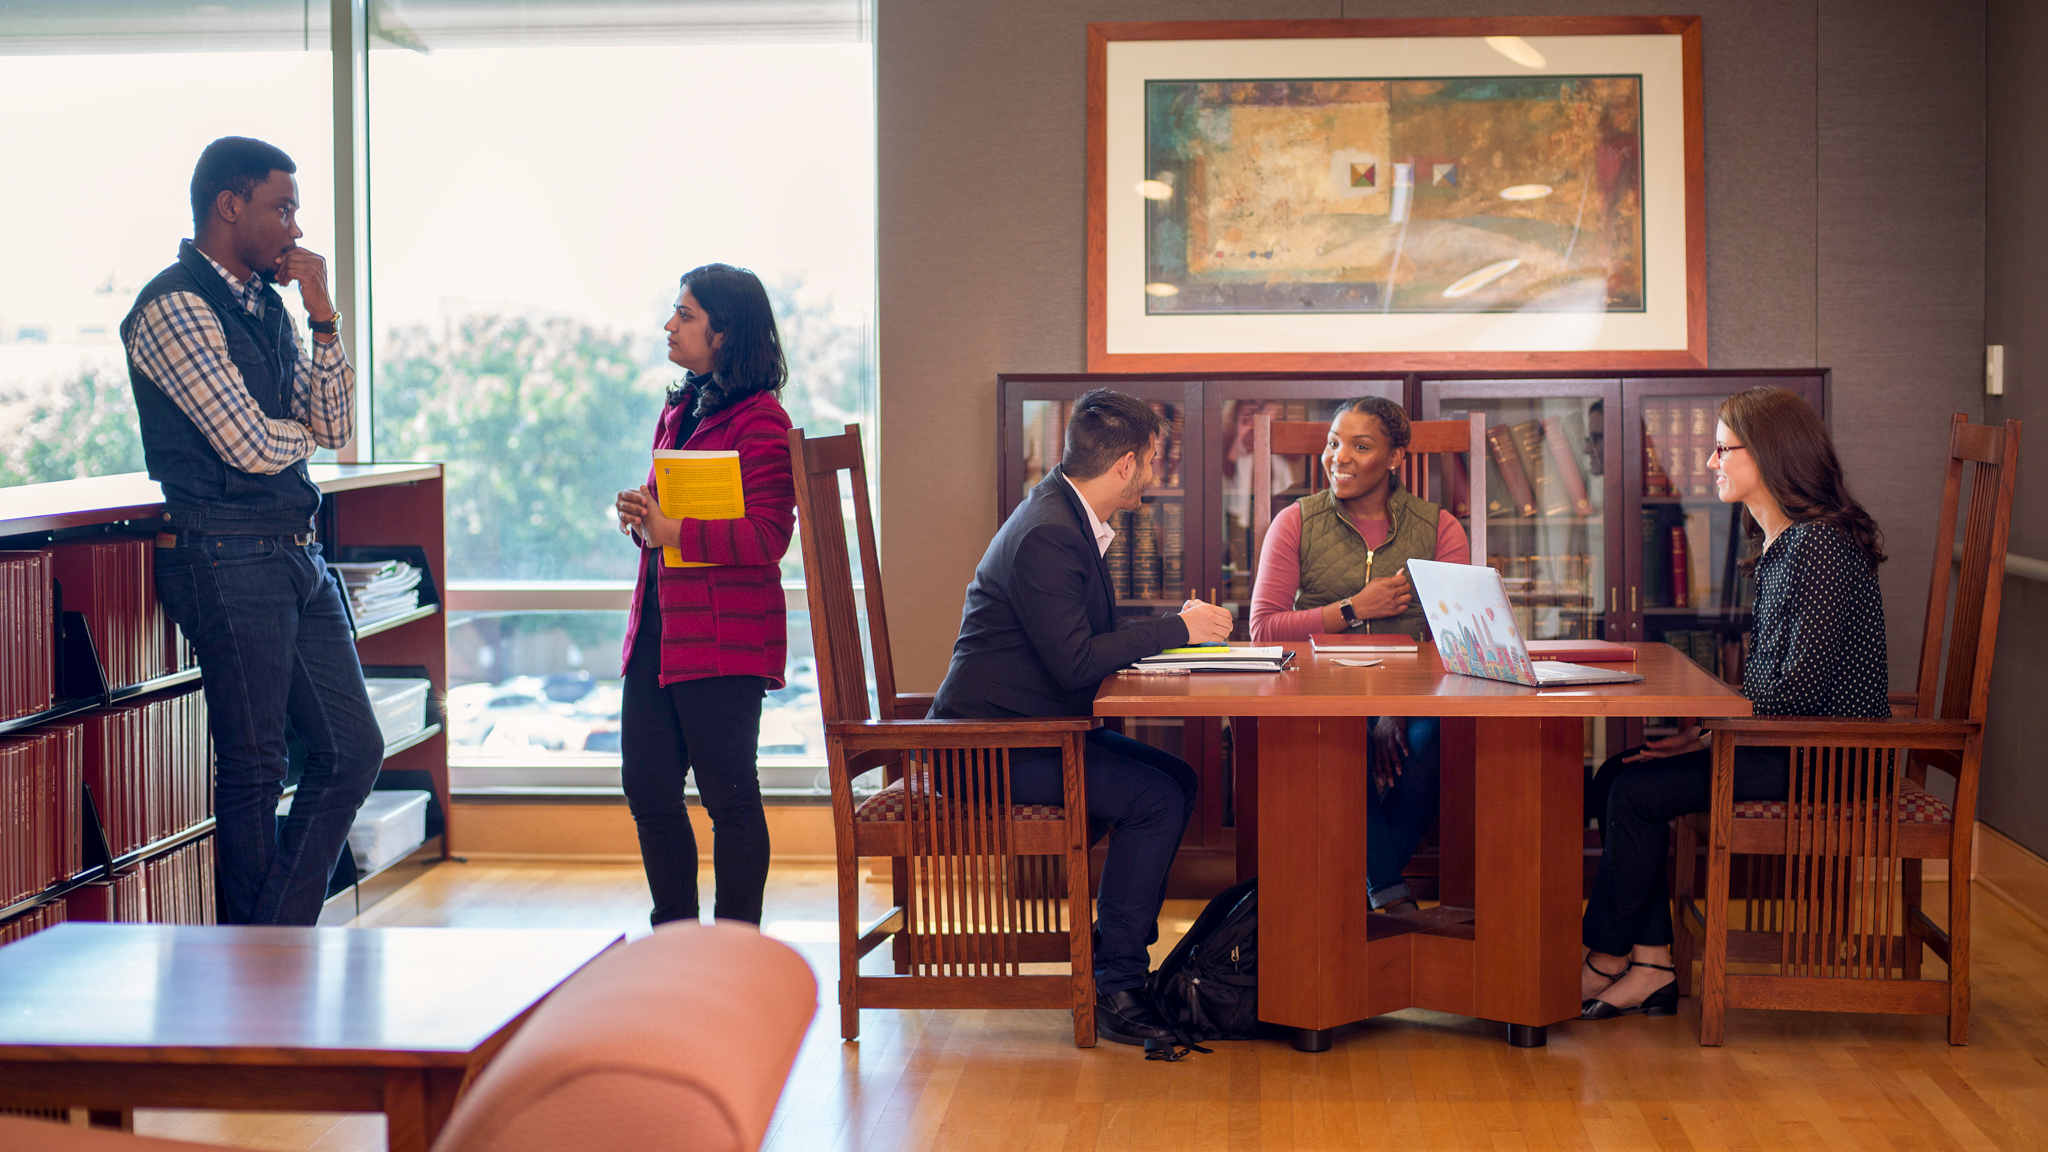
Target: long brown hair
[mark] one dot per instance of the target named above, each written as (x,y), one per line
(1796,459)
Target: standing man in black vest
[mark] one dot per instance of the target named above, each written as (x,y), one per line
(232,404)
(1039,633)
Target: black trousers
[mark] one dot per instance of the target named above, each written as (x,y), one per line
(1145,795)
(1631,901)
(712,726)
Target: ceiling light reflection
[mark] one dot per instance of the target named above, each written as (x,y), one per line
(1158,289)
(1473,281)
(1526,192)
(1517,49)
(1155,189)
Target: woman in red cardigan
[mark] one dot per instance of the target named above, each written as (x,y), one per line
(709,642)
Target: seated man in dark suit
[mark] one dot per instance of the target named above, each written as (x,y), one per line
(1038,635)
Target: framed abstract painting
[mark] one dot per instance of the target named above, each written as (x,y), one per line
(1431,194)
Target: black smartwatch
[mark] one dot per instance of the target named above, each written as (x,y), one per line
(1350,617)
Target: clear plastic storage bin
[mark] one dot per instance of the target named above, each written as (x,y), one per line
(388,825)
(400,705)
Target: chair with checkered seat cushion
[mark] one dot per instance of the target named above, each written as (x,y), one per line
(1829,885)
(892,803)
(1916,806)
(979,886)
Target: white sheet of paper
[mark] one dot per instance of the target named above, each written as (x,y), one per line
(1356,663)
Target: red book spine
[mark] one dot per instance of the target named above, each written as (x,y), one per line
(1681,570)
(1457,486)
(1567,463)
(1501,442)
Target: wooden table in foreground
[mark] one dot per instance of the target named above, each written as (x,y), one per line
(112,1017)
(1505,946)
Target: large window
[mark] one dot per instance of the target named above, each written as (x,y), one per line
(538,176)
(107,107)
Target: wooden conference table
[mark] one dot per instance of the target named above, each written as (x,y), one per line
(1506,944)
(112,1017)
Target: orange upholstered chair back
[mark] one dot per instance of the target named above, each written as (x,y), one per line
(678,1041)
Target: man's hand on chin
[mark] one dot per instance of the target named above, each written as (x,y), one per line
(307,269)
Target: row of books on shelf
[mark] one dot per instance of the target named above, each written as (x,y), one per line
(28,633)
(1148,557)
(175,888)
(1045,440)
(112,583)
(1690,561)
(1720,653)
(1678,441)
(1534,469)
(41,829)
(148,766)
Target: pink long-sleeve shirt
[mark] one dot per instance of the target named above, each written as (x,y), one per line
(1273,614)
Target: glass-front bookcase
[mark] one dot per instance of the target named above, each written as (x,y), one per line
(1551,492)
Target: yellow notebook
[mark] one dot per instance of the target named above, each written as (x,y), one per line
(697,486)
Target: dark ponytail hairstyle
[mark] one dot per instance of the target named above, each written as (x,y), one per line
(1795,457)
(750,358)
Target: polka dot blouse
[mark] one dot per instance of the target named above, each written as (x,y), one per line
(1818,644)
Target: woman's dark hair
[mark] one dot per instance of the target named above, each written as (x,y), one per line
(1103,426)
(1795,458)
(232,164)
(750,358)
(1393,421)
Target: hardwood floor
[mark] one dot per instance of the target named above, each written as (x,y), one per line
(1013,1081)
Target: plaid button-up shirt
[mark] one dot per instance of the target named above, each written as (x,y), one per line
(178,343)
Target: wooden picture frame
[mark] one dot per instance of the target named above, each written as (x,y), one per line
(1306,195)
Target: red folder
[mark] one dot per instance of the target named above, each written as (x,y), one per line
(1581,651)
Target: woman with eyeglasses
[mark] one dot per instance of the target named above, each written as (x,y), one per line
(705,643)
(1817,648)
(1337,561)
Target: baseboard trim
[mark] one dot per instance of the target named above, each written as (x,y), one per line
(609,858)
(2010,871)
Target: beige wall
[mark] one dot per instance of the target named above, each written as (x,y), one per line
(1845,194)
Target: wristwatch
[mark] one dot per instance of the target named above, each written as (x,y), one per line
(327,327)
(1350,618)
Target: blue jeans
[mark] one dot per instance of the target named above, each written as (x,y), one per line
(265,618)
(1145,795)
(1396,822)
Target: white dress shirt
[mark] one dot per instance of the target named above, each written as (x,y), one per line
(1103,532)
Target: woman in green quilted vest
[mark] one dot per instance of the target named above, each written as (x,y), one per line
(1337,561)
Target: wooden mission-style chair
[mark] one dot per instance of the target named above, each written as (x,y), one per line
(1832,873)
(979,885)
(1427,439)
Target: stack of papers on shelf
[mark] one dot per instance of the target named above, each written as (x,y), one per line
(379,589)
(1237,658)
(1362,642)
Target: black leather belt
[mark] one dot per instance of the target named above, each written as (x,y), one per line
(172,539)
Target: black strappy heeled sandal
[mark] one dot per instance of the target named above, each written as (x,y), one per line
(1609,977)
(1662,1002)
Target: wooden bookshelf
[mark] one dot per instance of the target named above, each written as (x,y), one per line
(376,506)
